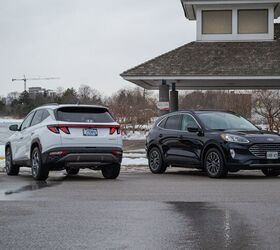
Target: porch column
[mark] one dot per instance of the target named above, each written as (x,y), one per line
(174,98)
(163,98)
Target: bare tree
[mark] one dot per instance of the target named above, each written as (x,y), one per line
(267,105)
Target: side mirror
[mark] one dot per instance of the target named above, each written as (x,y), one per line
(14,127)
(259,128)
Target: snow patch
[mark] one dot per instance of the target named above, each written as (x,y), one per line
(135,162)
(2,151)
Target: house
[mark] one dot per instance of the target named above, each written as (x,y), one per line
(237,47)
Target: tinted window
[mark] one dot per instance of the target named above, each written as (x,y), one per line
(173,122)
(26,123)
(188,122)
(37,117)
(45,115)
(162,123)
(84,114)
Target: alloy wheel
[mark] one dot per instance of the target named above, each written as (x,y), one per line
(8,160)
(213,163)
(35,163)
(154,160)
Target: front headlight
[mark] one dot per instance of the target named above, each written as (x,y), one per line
(234,138)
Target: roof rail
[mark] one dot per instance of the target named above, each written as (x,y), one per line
(50,104)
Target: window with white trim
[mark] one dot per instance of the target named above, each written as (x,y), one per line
(216,22)
(253,21)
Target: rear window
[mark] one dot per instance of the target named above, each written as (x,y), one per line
(84,114)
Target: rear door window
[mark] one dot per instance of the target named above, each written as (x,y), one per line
(84,114)
(37,117)
(173,122)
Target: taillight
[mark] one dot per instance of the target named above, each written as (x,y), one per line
(115,129)
(65,130)
(53,129)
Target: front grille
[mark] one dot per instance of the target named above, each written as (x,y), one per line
(260,150)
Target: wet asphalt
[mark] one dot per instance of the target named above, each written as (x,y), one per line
(182,209)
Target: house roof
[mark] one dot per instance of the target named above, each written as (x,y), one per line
(190,5)
(201,60)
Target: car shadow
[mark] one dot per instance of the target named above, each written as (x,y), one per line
(239,175)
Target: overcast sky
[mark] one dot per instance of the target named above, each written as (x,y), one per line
(85,41)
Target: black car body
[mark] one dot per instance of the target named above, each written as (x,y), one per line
(184,139)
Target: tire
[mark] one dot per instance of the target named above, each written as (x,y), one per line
(156,162)
(40,172)
(72,171)
(269,172)
(11,169)
(214,164)
(111,171)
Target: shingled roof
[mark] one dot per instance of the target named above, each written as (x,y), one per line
(215,59)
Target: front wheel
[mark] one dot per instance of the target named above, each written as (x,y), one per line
(156,162)
(111,171)
(214,164)
(40,172)
(11,169)
(270,172)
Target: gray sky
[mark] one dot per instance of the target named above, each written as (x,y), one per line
(85,41)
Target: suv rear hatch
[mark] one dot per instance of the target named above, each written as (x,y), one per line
(85,126)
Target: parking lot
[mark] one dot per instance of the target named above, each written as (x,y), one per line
(182,209)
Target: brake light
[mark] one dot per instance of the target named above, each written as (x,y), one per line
(115,129)
(117,153)
(53,129)
(58,153)
(65,130)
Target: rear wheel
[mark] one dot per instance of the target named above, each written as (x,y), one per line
(270,172)
(214,164)
(72,171)
(156,162)
(11,169)
(111,171)
(40,172)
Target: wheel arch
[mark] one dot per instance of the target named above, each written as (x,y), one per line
(35,143)
(209,146)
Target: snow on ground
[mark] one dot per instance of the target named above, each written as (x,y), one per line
(134,162)
(137,135)
(10,120)
(2,151)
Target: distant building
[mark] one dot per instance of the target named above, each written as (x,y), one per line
(35,91)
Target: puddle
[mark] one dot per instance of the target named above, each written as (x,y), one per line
(32,187)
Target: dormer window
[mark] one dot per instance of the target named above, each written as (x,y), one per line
(252,21)
(216,21)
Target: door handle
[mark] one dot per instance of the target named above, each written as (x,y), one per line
(32,133)
(21,138)
(160,135)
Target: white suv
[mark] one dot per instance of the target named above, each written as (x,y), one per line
(57,137)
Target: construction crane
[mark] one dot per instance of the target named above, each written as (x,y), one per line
(24,79)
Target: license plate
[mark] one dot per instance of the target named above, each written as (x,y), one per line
(272,155)
(90,132)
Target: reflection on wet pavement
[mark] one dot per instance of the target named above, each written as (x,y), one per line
(32,187)
(211,227)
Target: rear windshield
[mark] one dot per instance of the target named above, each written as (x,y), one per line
(84,114)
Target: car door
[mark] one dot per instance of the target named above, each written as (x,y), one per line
(168,138)
(20,147)
(190,144)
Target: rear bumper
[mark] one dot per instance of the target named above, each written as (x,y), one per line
(82,157)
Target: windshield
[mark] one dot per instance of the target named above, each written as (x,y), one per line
(224,121)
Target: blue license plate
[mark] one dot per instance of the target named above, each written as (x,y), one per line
(90,132)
